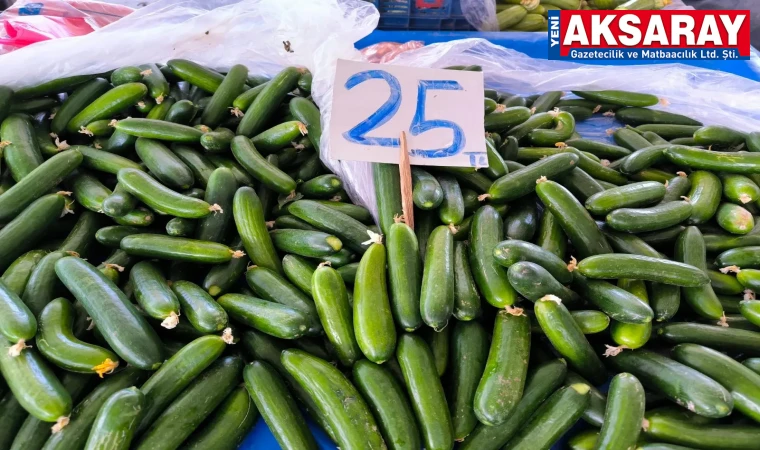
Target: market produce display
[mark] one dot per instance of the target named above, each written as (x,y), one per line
(177,261)
(530,15)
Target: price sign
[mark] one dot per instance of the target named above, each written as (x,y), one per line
(440,110)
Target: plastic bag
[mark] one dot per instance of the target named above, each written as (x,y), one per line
(713,97)
(28,22)
(481,14)
(216,33)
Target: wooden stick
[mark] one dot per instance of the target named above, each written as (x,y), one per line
(405,173)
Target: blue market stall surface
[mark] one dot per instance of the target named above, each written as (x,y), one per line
(421,15)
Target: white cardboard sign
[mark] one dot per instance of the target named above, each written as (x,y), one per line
(440,110)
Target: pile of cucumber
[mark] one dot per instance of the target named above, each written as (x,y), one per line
(177,261)
(531,15)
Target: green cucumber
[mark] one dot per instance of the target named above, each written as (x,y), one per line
(348,272)
(240,174)
(739,189)
(654,218)
(56,341)
(159,129)
(89,191)
(17,275)
(717,135)
(193,405)
(182,112)
(272,177)
(405,275)
(200,309)
(508,118)
(244,100)
(730,162)
(107,105)
(77,101)
(83,234)
(127,74)
(153,294)
(629,243)
(279,136)
(13,416)
(564,125)
(388,194)
(118,416)
(271,286)
(199,165)
(704,196)
(21,154)
(178,249)
(669,131)
(630,139)
(389,404)
(600,149)
(638,267)
(469,352)
(551,237)
(158,87)
(574,219)
(163,199)
(568,339)
(177,373)
(616,302)
(373,321)
(426,392)
(552,419)
(520,221)
(277,407)
(743,257)
(307,113)
(591,321)
(681,384)
(196,74)
(654,138)
(164,164)
(321,186)
(466,296)
(624,413)
(311,244)
(18,323)
(663,427)
(491,278)
(622,98)
(352,232)
(512,251)
(676,187)
(179,227)
(522,182)
(249,219)
(641,116)
(42,283)
(222,277)
(138,217)
(726,284)
(437,293)
(632,195)
(717,337)
(125,330)
(740,381)
(494,399)
(217,141)
(35,386)
(104,161)
(272,318)
(267,101)
(734,219)
(228,425)
(232,86)
(690,249)
(594,413)
(750,309)
(331,300)
(643,158)
(299,271)
(28,227)
(357,212)
(534,282)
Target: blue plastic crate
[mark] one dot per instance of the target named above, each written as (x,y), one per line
(432,15)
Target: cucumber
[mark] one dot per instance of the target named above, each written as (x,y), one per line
(279,136)
(704,196)
(642,268)
(57,343)
(658,217)
(196,74)
(552,419)
(734,219)
(331,300)
(193,405)
(311,244)
(199,165)
(348,272)
(491,278)
(469,352)
(690,249)
(13,416)
(104,161)
(388,194)
(512,251)
(743,257)
(271,286)
(517,184)
(158,87)
(534,282)
(567,338)
(574,219)
(718,135)
(676,188)
(277,407)
(42,283)
(307,113)
(178,249)
(159,129)
(653,137)
(228,425)
(22,154)
(542,381)
(272,318)
(82,96)
(118,417)
(629,243)
(427,192)
(426,392)
(750,309)
(28,227)
(437,293)
(494,399)
(621,98)
(15,278)
(632,195)
(730,162)
(624,413)
(665,427)
(255,164)
(181,112)
(551,237)
(439,347)
(466,296)
(232,86)
(500,121)
(726,284)
(564,125)
(35,386)
(616,302)
(351,232)
(600,149)
(244,100)
(630,139)
(163,199)
(17,323)
(179,227)
(520,221)
(739,189)
(594,413)
(373,321)
(107,105)
(299,271)
(125,330)
(717,337)
(153,294)
(679,383)
(389,404)
(221,277)
(200,309)
(138,217)
(642,116)
(357,212)
(164,164)
(89,191)
(405,275)
(83,234)
(249,219)
(266,102)
(740,381)
(127,74)
(591,321)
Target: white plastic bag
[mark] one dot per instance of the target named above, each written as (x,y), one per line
(216,33)
(713,97)
(481,14)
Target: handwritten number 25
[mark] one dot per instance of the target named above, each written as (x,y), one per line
(387,110)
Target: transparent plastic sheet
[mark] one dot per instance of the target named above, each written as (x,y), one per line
(216,33)
(713,97)
(481,14)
